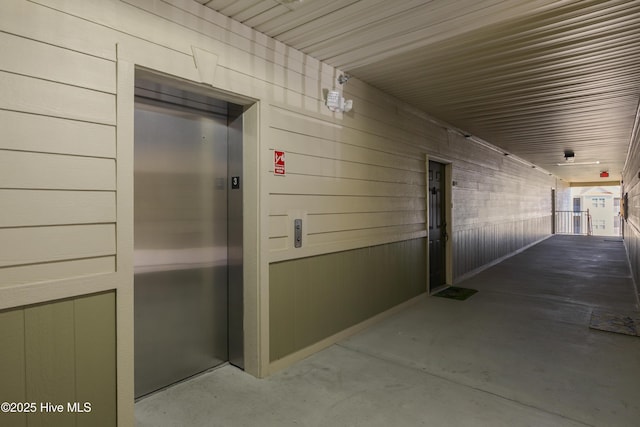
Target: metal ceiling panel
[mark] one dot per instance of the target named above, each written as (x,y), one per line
(533,77)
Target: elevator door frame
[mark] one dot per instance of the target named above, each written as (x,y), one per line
(234,222)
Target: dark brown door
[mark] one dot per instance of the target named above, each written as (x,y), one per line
(437,226)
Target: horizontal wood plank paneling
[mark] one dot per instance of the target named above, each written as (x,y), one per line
(241,37)
(45,244)
(57,115)
(332,223)
(28,20)
(303,164)
(31,132)
(239,49)
(563,196)
(355,185)
(384,233)
(360,132)
(492,192)
(356,221)
(49,171)
(377,105)
(31,95)
(56,64)
(278,226)
(357,179)
(327,242)
(301,184)
(238,36)
(317,204)
(356,147)
(32,273)
(367,166)
(49,207)
(130,20)
(631,187)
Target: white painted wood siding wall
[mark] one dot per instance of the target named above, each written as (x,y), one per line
(563,196)
(354,184)
(57,160)
(361,181)
(631,186)
(356,179)
(58,116)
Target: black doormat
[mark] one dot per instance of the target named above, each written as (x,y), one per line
(454,292)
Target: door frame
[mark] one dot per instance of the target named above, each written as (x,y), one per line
(130,61)
(448,213)
(171,99)
(252,317)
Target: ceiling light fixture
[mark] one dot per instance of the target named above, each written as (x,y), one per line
(569,156)
(597,162)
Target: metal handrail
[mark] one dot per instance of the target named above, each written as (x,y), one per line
(573,222)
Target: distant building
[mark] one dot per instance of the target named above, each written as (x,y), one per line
(603,204)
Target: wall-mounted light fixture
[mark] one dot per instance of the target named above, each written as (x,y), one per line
(335,101)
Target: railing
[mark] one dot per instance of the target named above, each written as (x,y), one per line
(573,222)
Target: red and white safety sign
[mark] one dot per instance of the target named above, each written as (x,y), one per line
(278,163)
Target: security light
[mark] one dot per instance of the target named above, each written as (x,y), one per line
(335,102)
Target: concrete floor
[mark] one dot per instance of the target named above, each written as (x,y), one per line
(517,353)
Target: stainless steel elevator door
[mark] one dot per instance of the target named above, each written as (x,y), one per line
(180,243)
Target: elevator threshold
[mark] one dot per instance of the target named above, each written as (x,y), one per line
(184,380)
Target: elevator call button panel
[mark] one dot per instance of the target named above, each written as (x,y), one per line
(297,233)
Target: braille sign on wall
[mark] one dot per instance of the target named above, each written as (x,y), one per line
(278,162)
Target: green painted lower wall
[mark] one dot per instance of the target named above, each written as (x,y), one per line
(313,298)
(60,352)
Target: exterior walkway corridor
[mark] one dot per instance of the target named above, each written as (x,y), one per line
(517,353)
